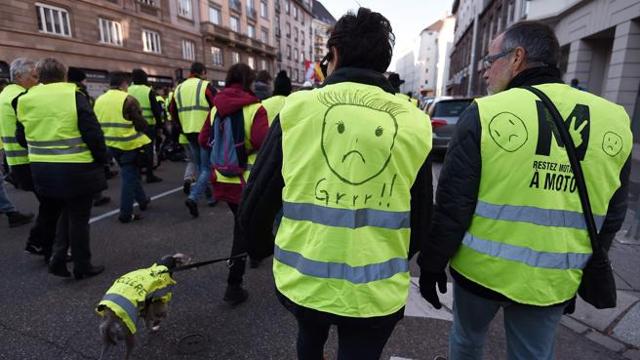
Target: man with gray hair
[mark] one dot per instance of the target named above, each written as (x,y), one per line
(67,152)
(22,77)
(509,211)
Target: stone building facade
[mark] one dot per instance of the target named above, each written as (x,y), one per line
(294,37)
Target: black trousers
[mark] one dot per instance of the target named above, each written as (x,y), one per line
(355,341)
(149,150)
(44,229)
(236,266)
(73,230)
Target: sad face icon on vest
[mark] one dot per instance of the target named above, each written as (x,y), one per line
(508,131)
(611,143)
(357,142)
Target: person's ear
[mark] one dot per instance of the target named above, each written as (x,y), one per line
(518,60)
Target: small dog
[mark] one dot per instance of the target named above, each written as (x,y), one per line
(140,294)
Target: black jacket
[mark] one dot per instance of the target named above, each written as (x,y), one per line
(457,191)
(262,197)
(67,180)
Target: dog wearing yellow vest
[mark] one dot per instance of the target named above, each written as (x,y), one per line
(140,295)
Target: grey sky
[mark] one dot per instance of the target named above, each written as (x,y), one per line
(407,17)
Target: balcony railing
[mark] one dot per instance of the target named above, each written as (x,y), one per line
(235,5)
(213,31)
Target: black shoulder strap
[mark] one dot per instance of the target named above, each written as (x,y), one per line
(575,166)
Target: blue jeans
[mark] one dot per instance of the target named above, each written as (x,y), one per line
(530,330)
(5,205)
(202,157)
(131,187)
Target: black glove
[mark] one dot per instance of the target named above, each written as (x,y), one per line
(570,306)
(428,283)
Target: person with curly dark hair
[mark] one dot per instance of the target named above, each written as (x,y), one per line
(346,167)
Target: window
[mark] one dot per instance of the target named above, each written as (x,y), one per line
(295,54)
(289,72)
(214,15)
(302,37)
(264,9)
(287,6)
(251,31)
(234,23)
(153,3)
(216,56)
(184,8)
(251,62)
(235,57)
(302,55)
(295,34)
(188,50)
(53,20)
(151,41)
(263,64)
(295,12)
(110,32)
(289,52)
(265,35)
(302,17)
(287,28)
(301,76)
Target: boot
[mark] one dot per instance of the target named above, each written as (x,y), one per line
(17,218)
(186,187)
(144,205)
(153,179)
(90,271)
(193,207)
(235,294)
(58,269)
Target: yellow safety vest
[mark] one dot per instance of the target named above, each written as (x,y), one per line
(166,106)
(127,296)
(16,154)
(248,113)
(119,132)
(273,105)
(192,105)
(50,119)
(141,93)
(528,239)
(351,153)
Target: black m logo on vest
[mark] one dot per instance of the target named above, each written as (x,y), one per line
(579,119)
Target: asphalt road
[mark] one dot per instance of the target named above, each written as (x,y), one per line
(46,317)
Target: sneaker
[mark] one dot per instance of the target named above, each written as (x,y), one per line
(235,294)
(130,218)
(153,179)
(144,205)
(193,207)
(17,218)
(186,187)
(34,249)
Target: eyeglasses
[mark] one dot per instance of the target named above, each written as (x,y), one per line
(488,60)
(324,63)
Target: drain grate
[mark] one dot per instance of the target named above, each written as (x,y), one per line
(191,344)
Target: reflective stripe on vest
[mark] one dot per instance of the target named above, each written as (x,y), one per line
(332,270)
(192,105)
(119,132)
(127,306)
(16,154)
(141,93)
(49,116)
(248,113)
(528,239)
(347,218)
(351,153)
(533,215)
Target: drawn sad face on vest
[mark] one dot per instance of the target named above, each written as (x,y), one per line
(508,131)
(611,143)
(357,141)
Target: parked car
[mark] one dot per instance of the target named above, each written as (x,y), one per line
(444,114)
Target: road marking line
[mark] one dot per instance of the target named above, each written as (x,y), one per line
(419,307)
(116,211)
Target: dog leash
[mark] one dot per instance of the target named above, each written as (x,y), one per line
(208,262)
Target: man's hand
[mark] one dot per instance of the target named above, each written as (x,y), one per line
(576,131)
(428,283)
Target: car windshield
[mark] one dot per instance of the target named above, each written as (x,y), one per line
(450,108)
